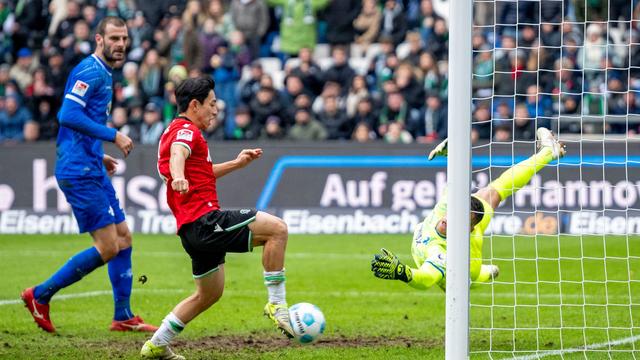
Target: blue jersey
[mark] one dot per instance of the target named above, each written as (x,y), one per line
(83,117)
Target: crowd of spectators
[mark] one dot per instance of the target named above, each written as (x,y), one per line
(358,70)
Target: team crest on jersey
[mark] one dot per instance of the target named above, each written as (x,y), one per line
(185,134)
(80,88)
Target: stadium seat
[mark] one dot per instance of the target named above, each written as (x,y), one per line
(324,63)
(373,50)
(321,51)
(278,79)
(357,51)
(246,73)
(291,64)
(271,64)
(360,65)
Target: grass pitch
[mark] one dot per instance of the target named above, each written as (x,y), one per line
(557,293)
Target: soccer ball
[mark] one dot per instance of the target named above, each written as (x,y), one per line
(307,322)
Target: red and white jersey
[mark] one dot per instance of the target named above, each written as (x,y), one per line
(202,196)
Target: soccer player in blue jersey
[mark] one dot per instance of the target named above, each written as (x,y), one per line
(82,170)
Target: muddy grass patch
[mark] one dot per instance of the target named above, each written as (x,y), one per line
(234,343)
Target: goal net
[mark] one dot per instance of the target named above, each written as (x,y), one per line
(567,244)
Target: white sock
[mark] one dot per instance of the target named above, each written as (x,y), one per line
(170,327)
(274,280)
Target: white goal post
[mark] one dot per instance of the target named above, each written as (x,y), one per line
(458,178)
(568,243)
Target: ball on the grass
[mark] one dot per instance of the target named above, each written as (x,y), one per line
(307,322)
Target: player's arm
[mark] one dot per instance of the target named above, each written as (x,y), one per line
(387,266)
(245,157)
(72,115)
(440,150)
(179,155)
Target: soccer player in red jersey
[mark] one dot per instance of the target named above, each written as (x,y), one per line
(206,231)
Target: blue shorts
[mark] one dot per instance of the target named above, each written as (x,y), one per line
(93,201)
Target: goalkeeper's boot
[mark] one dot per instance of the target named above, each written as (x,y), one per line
(134,324)
(40,312)
(150,351)
(279,313)
(547,139)
(494,271)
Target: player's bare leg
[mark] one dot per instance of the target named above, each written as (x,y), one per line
(106,241)
(271,232)
(209,289)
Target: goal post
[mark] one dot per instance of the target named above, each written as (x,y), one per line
(458,180)
(567,243)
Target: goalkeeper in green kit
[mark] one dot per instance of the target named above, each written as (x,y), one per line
(429,245)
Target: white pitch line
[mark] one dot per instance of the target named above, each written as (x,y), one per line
(543,354)
(231,292)
(54,253)
(420,294)
(63,297)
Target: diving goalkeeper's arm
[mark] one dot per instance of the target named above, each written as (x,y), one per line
(387,266)
(440,150)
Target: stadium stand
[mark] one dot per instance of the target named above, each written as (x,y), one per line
(399,49)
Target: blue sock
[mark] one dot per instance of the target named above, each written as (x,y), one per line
(73,270)
(121,282)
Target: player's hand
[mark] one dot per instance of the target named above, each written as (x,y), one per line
(441,150)
(124,143)
(180,185)
(110,164)
(248,155)
(387,266)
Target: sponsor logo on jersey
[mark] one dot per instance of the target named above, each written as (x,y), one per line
(218,228)
(185,134)
(80,88)
(244,211)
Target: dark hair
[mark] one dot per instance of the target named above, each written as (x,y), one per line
(113,20)
(194,88)
(477,211)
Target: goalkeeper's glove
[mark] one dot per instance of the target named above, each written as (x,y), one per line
(388,266)
(441,149)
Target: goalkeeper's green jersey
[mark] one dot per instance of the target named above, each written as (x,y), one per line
(431,237)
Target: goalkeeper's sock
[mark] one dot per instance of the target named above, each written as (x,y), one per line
(521,173)
(121,283)
(426,276)
(73,270)
(274,280)
(171,326)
